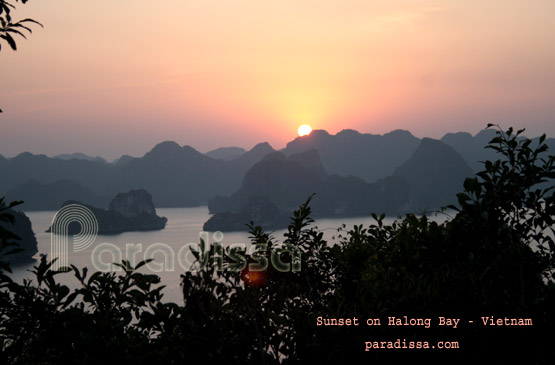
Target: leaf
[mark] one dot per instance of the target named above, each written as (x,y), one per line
(70,299)
(19,25)
(142,263)
(16,32)
(8,38)
(27,20)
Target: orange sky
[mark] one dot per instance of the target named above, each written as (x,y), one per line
(112,77)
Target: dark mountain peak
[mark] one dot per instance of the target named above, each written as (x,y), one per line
(348,152)
(400,134)
(23,155)
(190,151)
(458,140)
(348,133)
(256,154)
(170,150)
(28,156)
(79,156)
(429,147)
(485,133)
(472,148)
(435,172)
(315,137)
(226,153)
(124,159)
(278,178)
(317,133)
(263,147)
(457,135)
(164,149)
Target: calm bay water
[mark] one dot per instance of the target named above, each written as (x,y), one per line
(184,226)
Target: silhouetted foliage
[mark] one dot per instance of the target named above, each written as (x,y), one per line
(495,257)
(10,28)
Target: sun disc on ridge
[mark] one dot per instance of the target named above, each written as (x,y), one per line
(304,130)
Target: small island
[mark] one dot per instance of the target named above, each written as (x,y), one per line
(131,211)
(257,209)
(27,241)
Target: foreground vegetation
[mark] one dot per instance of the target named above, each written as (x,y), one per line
(495,257)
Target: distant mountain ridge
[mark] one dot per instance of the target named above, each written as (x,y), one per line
(179,176)
(79,156)
(472,148)
(48,196)
(435,173)
(26,167)
(368,156)
(278,184)
(427,180)
(175,176)
(226,153)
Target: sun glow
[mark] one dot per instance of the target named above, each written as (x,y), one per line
(304,130)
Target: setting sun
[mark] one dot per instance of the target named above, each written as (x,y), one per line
(304,130)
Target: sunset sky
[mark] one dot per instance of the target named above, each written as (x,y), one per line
(112,77)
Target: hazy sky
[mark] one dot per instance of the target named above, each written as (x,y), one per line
(109,77)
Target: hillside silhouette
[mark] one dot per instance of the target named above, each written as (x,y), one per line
(175,176)
(180,176)
(79,156)
(435,173)
(226,153)
(44,196)
(471,148)
(278,183)
(368,156)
